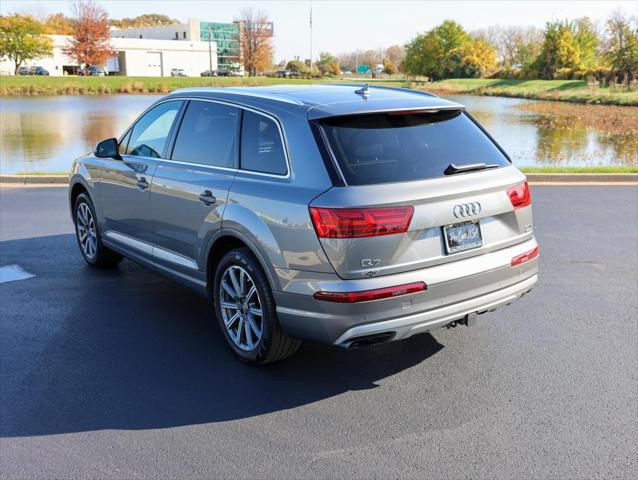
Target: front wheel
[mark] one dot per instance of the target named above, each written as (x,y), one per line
(246,312)
(88,235)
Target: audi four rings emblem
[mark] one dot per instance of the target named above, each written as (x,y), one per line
(466,209)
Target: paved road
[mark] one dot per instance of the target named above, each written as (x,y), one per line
(120,374)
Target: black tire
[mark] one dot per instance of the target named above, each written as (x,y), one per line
(273,344)
(99,256)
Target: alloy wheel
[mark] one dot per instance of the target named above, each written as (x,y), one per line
(241,308)
(87,234)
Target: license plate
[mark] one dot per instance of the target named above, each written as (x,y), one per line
(462,236)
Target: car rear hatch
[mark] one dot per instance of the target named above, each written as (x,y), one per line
(408,198)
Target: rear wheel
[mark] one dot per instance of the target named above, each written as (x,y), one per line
(246,312)
(88,235)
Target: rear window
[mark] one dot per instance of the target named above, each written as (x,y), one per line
(399,147)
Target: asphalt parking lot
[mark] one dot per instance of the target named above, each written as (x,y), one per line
(122,374)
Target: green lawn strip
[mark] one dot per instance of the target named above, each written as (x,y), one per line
(32,85)
(565,90)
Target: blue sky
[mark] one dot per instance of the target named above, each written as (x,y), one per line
(340,26)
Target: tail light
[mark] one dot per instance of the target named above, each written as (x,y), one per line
(520,195)
(525,257)
(360,222)
(367,295)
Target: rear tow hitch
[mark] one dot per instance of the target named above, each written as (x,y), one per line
(469,320)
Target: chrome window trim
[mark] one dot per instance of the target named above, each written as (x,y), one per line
(198,165)
(282,138)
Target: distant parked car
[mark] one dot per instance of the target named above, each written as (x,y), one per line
(93,71)
(23,71)
(178,72)
(286,73)
(208,73)
(230,73)
(38,71)
(97,71)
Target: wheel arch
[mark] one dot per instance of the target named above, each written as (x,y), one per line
(75,190)
(226,240)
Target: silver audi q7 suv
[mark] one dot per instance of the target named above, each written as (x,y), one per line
(342,214)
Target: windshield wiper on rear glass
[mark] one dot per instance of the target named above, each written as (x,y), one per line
(453,169)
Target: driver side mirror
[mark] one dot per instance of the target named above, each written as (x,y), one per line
(108,149)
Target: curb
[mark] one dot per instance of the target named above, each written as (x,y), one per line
(532,177)
(35,179)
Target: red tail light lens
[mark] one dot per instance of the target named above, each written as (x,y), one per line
(525,257)
(360,222)
(520,195)
(367,295)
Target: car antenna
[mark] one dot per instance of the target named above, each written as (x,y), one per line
(363,91)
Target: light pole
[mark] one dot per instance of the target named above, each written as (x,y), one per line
(311,37)
(210,52)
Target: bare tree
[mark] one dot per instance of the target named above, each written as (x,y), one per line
(395,54)
(255,34)
(514,44)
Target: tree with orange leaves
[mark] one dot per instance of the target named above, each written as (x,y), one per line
(255,35)
(90,42)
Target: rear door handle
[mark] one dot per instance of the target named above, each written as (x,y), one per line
(207,197)
(142,183)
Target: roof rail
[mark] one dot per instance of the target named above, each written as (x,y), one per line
(239,91)
(385,87)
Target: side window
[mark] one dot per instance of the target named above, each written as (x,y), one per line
(124,142)
(149,134)
(208,135)
(262,148)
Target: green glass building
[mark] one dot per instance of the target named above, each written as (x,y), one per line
(226,35)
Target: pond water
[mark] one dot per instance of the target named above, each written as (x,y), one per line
(45,134)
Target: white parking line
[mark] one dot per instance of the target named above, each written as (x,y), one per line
(11,273)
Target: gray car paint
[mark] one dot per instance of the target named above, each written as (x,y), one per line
(269,213)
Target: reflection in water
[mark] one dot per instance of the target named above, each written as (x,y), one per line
(556,146)
(47,133)
(589,132)
(99,126)
(24,138)
(558,133)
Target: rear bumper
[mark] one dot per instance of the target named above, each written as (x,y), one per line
(405,327)
(455,290)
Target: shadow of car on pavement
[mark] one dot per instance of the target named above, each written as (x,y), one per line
(127,349)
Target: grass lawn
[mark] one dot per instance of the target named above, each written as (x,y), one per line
(564,90)
(71,85)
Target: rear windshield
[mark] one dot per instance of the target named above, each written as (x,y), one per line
(399,147)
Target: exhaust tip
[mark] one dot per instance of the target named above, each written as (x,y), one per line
(367,340)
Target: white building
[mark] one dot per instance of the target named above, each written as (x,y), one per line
(178,31)
(139,57)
